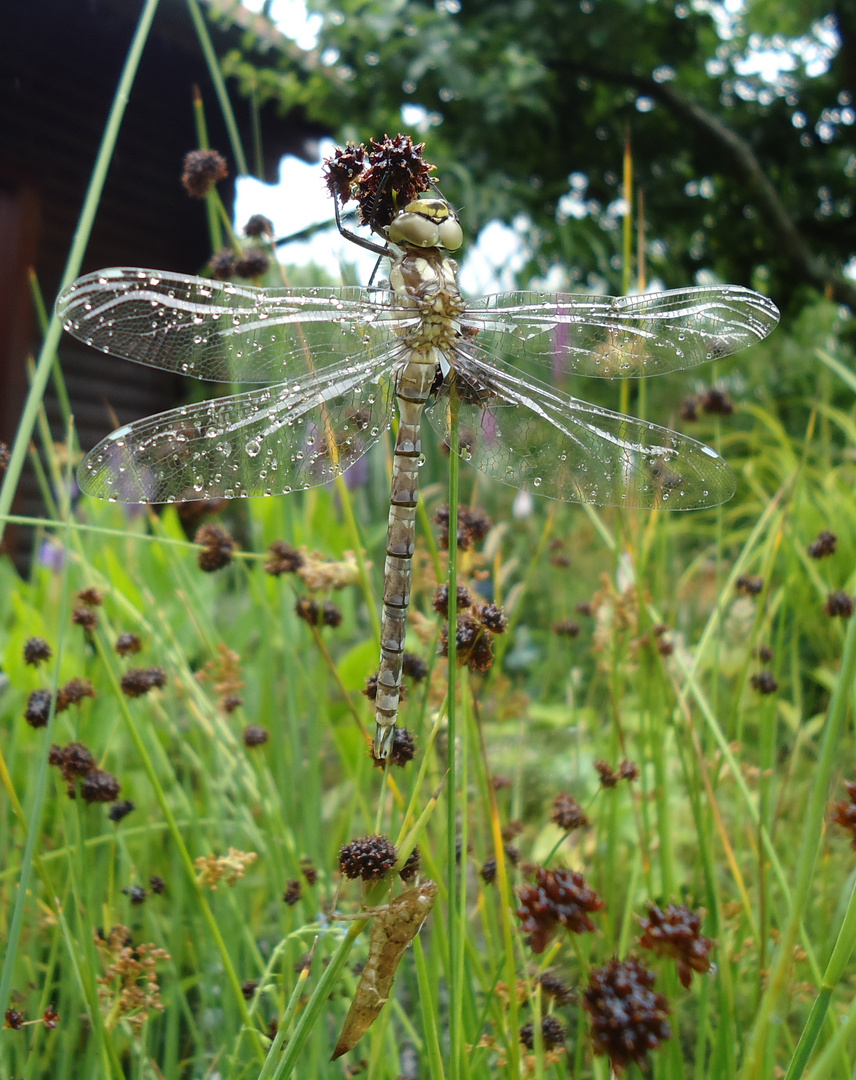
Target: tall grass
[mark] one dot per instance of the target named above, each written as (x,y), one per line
(196,936)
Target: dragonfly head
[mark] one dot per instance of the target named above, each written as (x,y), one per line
(427,223)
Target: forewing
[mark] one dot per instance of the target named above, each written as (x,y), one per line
(531,436)
(623,336)
(266,441)
(224,332)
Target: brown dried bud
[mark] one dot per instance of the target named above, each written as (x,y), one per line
(369,858)
(202,170)
(36,651)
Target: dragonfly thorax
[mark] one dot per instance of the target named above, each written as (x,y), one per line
(427,223)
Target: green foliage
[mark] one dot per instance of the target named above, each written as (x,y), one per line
(740,175)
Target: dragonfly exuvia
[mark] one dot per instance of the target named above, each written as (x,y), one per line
(335,361)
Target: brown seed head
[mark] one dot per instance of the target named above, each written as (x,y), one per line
(824,545)
(843,812)
(128,644)
(252,264)
(85,617)
(555,988)
(749,584)
(259,225)
(255,735)
(716,402)
(370,858)
(139,681)
(91,597)
(411,865)
(119,810)
(552,1033)
(558,898)
(202,170)
(222,264)
(566,628)
(292,892)
(441,600)
(99,786)
(15,1019)
(36,651)
(568,814)
(282,559)
(676,933)
(473,527)
(38,708)
(414,667)
(764,682)
(73,692)
(628,1017)
(217,548)
(839,605)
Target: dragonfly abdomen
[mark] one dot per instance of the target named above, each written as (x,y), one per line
(414,386)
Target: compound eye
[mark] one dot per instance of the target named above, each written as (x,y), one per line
(415,229)
(451,234)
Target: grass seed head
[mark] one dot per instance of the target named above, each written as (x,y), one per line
(824,545)
(252,264)
(369,857)
(38,708)
(202,169)
(628,1017)
(764,682)
(128,644)
(98,785)
(217,548)
(839,605)
(292,892)
(676,933)
(139,681)
(558,898)
(120,810)
(552,1033)
(36,651)
(568,814)
(282,559)
(255,735)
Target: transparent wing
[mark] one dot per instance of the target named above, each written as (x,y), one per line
(223,332)
(266,441)
(620,336)
(531,436)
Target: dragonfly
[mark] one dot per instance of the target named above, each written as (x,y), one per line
(332,364)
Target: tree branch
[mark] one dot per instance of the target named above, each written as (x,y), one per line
(771,208)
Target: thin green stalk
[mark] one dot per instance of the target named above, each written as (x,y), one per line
(47,354)
(456,804)
(811,833)
(219,85)
(841,954)
(426,995)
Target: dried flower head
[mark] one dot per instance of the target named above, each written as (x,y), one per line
(202,170)
(492,618)
(217,547)
(676,933)
(38,708)
(370,858)
(567,813)
(566,628)
(255,735)
(556,988)
(716,402)
(136,894)
(50,1017)
(127,644)
(73,692)
(139,681)
(342,169)
(252,264)
(230,703)
(15,1019)
(414,667)
(222,264)
(411,865)
(688,409)
(292,892)
(157,885)
(85,617)
(441,600)
(558,898)
(488,870)
(91,597)
(473,527)
(749,584)
(36,651)
(120,810)
(129,986)
(608,778)
(307,868)
(824,545)
(843,812)
(552,1033)
(765,653)
(73,760)
(839,605)
(99,786)
(403,745)
(259,225)
(282,559)
(214,868)
(628,1017)
(248,988)
(764,682)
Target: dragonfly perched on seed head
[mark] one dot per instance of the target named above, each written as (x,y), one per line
(334,362)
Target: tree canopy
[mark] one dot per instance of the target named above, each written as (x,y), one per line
(526,106)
